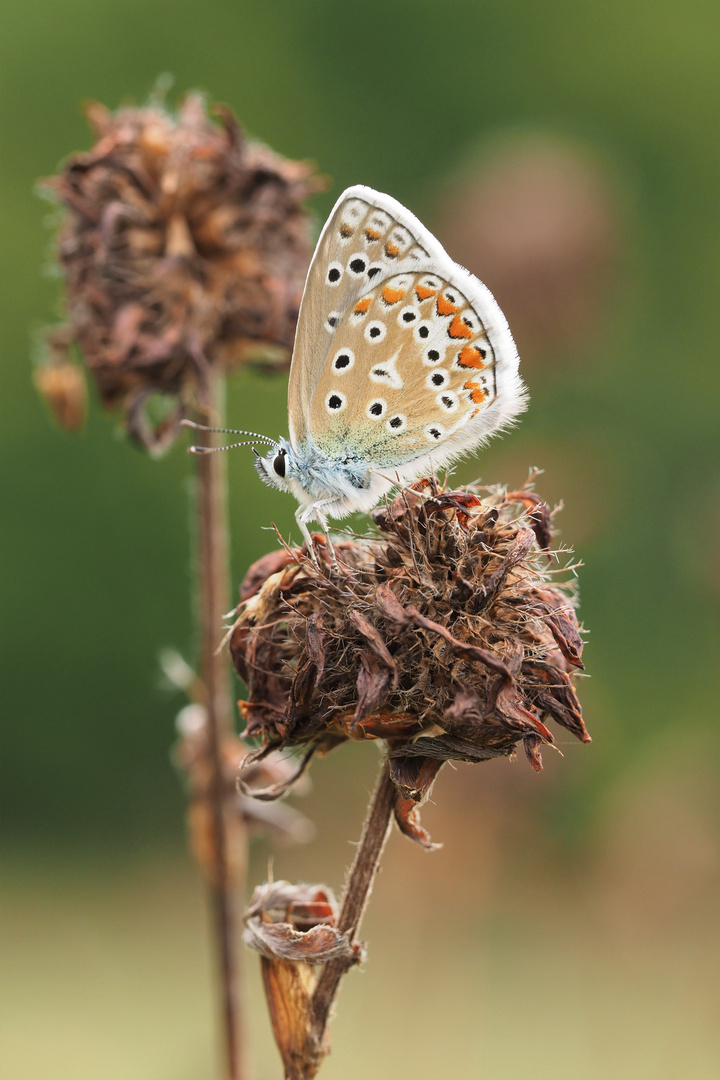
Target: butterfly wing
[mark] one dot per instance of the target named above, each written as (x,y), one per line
(402,357)
(366,239)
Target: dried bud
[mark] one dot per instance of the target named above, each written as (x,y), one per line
(242,814)
(293,927)
(184,245)
(62,383)
(444,635)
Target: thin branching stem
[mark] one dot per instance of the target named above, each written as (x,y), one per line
(213,588)
(357,893)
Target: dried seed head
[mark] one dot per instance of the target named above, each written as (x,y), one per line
(445,634)
(184,245)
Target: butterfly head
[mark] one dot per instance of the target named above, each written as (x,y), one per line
(278,467)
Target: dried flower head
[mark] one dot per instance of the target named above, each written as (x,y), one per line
(184,245)
(445,634)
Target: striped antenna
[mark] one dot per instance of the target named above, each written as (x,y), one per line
(229,431)
(216,449)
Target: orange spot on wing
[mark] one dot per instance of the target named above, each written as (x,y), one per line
(345,231)
(372,234)
(470,356)
(391,250)
(476,393)
(458,329)
(474,413)
(362,305)
(444,306)
(391,296)
(422,292)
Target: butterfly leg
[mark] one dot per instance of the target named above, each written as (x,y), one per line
(302,520)
(331,548)
(314,513)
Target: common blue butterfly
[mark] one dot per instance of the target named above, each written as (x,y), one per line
(403,362)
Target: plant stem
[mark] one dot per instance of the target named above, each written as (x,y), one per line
(357,893)
(214,591)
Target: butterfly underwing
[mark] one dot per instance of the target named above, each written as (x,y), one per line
(402,363)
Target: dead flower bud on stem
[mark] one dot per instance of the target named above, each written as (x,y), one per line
(295,929)
(184,246)
(445,634)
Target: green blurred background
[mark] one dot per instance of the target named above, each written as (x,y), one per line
(568,928)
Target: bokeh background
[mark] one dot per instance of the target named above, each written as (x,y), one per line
(568,153)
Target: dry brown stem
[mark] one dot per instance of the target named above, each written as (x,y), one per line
(213,587)
(307,947)
(357,893)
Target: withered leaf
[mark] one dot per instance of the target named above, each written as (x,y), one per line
(310,665)
(283,786)
(532,744)
(562,622)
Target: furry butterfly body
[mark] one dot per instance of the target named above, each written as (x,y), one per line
(402,363)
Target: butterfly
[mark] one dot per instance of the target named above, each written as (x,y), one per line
(402,363)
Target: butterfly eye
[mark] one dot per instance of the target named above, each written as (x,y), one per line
(279,463)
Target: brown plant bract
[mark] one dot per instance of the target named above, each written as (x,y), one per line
(184,245)
(444,634)
(294,928)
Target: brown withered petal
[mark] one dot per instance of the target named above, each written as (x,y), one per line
(445,633)
(184,245)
